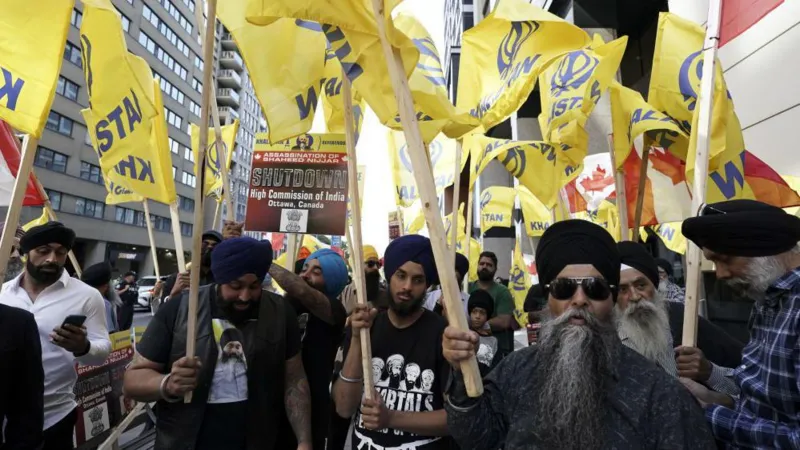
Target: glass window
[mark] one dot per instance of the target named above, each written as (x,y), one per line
(89,208)
(90,172)
(67,88)
(72,53)
(50,159)
(194,108)
(126,23)
(188,154)
(58,123)
(55,199)
(174,147)
(185,203)
(188,179)
(186,229)
(76,19)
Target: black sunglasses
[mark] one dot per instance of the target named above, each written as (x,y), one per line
(564,288)
(372,264)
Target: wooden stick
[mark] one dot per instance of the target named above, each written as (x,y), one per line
(622,198)
(423,175)
(176,234)
(356,248)
(217,210)
(637,218)
(402,222)
(468,230)
(291,251)
(194,276)
(456,193)
(17,197)
(119,429)
(152,239)
(706,104)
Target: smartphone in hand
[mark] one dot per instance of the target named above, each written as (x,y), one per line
(76,320)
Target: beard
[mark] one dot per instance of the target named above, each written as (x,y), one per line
(235,356)
(485,275)
(14,268)
(405,309)
(237,316)
(205,258)
(46,273)
(373,282)
(663,287)
(575,363)
(646,324)
(761,272)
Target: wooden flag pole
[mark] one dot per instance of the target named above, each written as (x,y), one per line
(706,103)
(17,197)
(468,230)
(356,248)
(637,218)
(291,250)
(456,193)
(423,175)
(217,210)
(194,277)
(152,239)
(176,234)
(622,198)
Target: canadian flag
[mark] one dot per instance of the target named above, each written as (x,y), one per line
(739,15)
(9,166)
(596,181)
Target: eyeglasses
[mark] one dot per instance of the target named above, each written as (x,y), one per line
(372,264)
(595,288)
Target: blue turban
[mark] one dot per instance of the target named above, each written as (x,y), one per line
(236,257)
(413,248)
(334,270)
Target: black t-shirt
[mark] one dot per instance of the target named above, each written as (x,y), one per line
(226,411)
(410,374)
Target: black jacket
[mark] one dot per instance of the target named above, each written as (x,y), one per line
(718,346)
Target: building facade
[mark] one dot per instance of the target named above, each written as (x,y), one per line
(165,34)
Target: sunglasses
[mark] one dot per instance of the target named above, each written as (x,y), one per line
(708,210)
(595,288)
(372,264)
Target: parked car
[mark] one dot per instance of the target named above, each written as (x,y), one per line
(146,285)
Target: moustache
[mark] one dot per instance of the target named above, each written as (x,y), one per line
(589,319)
(48,267)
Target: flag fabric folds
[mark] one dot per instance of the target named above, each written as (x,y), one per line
(9,168)
(41,220)
(518,283)
(670,234)
(32,37)
(497,205)
(212,179)
(535,215)
(442,153)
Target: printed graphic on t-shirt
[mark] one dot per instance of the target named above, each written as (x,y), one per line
(486,351)
(403,386)
(229,383)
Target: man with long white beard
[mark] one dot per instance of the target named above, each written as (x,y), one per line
(754,249)
(579,387)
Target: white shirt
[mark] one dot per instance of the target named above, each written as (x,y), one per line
(432,297)
(64,297)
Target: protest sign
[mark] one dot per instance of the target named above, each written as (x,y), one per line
(299,185)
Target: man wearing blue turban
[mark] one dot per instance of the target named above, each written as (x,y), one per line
(313,294)
(247,369)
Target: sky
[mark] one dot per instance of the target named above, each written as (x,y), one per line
(371,150)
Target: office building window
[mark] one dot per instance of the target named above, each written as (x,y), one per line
(186,229)
(129,216)
(58,123)
(172,118)
(126,23)
(162,55)
(90,172)
(76,19)
(198,62)
(169,88)
(87,138)
(174,146)
(194,108)
(160,223)
(72,53)
(55,199)
(180,18)
(165,30)
(50,159)
(188,179)
(197,85)
(67,88)
(190,4)
(174,173)
(89,208)
(185,203)
(188,154)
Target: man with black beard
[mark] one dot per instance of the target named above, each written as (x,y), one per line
(230,409)
(579,388)
(314,294)
(503,322)
(406,341)
(47,291)
(754,250)
(377,294)
(179,282)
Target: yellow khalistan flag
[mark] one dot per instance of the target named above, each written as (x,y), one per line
(448,224)
(570,88)
(518,283)
(474,255)
(413,218)
(32,36)
(351,30)
(41,220)
(333,101)
(670,234)
(116,191)
(212,179)
(536,216)
(286,77)
(503,54)
(442,153)
(606,215)
(497,205)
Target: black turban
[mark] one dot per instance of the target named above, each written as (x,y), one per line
(237,257)
(212,235)
(743,228)
(481,299)
(462,264)
(666,265)
(97,275)
(413,248)
(577,242)
(49,233)
(635,256)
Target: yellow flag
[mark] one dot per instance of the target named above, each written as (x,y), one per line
(670,234)
(116,191)
(448,225)
(159,152)
(518,283)
(351,31)
(286,76)
(502,55)
(413,218)
(606,215)
(443,160)
(32,36)
(41,220)
(213,177)
(497,205)
(570,88)
(536,216)
(474,255)
(332,100)
(632,117)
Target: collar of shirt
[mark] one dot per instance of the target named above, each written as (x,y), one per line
(16,284)
(782,285)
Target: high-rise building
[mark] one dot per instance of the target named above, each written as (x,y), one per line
(165,34)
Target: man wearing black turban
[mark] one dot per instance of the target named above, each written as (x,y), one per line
(754,250)
(564,392)
(405,340)
(230,409)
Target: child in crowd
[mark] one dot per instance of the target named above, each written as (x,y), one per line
(481,308)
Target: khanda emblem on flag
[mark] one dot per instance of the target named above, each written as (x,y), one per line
(573,71)
(517,279)
(485,198)
(435,150)
(213,156)
(430,67)
(689,82)
(514,161)
(511,44)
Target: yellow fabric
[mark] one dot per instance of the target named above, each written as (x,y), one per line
(794,183)
(287,77)
(41,220)
(497,205)
(370,253)
(474,255)
(116,192)
(32,36)
(670,234)
(361,174)
(442,153)
(448,224)
(607,216)
(537,217)
(570,88)
(518,283)
(502,56)
(213,177)
(413,218)
(332,100)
